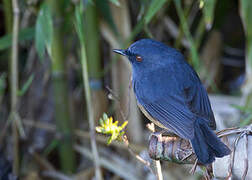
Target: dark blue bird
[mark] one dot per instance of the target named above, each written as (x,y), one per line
(170,93)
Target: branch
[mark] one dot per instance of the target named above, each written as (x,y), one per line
(178,150)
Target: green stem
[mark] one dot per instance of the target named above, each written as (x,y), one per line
(90,110)
(181,32)
(193,50)
(62,116)
(8,15)
(14,87)
(92,42)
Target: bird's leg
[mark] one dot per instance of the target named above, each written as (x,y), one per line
(158,133)
(151,127)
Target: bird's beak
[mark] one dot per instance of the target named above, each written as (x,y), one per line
(120,51)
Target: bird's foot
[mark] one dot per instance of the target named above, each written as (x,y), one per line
(157,134)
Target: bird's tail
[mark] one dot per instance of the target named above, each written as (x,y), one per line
(206,144)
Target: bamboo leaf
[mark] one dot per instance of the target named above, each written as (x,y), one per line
(246,15)
(2,83)
(246,121)
(105,11)
(24,35)
(115,2)
(54,144)
(44,31)
(185,27)
(79,23)
(208,11)
(154,7)
(152,10)
(26,86)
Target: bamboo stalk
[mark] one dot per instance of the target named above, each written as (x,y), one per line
(92,36)
(85,78)
(14,87)
(8,18)
(90,112)
(64,124)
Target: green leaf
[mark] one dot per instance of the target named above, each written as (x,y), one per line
(242,108)
(26,86)
(246,15)
(186,30)
(154,7)
(79,23)
(105,11)
(44,31)
(24,35)
(246,121)
(208,11)
(54,144)
(152,10)
(2,83)
(105,116)
(115,2)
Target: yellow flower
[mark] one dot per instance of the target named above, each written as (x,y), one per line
(108,127)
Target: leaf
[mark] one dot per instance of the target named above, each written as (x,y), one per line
(79,23)
(115,2)
(208,11)
(44,31)
(154,7)
(242,108)
(246,15)
(105,116)
(54,144)
(105,11)
(26,86)
(2,83)
(24,34)
(152,10)
(246,121)
(185,27)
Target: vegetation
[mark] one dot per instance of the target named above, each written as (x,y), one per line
(58,76)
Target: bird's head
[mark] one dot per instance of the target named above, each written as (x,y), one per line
(148,54)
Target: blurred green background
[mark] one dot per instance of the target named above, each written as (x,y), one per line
(57,73)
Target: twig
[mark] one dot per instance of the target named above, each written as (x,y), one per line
(107,163)
(43,163)
(115,97)
(14,86)
(139,158)
(56,175)
(233,156)
(79,133)
(124,138)
(174,31)
(126,142)
(246,159)
(157,162)
(192,171)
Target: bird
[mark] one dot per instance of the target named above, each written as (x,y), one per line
(170,94)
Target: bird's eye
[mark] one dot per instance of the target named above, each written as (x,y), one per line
(139,58)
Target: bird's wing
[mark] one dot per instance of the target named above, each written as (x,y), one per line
(195,95)
(198,102)
(173,114)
